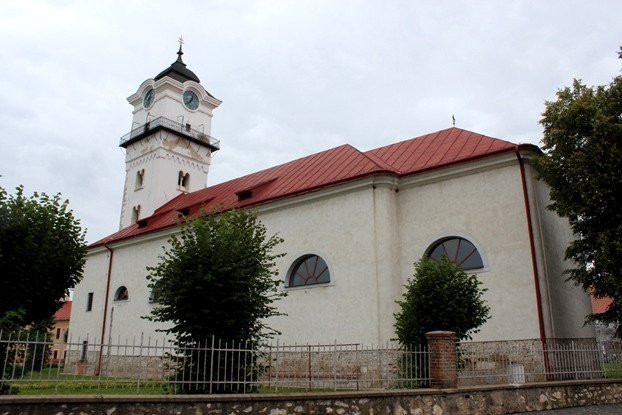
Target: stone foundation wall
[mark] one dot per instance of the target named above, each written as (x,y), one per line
(526,361)
(131,367)
(472,401)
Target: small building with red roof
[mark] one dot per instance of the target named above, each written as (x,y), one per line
(353,221)
(59,332)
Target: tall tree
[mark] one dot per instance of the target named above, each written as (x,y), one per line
(216,279)
(582,164)
(440,296)
(42,249)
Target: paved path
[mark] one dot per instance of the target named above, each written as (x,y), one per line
(584,410)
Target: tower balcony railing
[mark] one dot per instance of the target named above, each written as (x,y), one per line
(170,125)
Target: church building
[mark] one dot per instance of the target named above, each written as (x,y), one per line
(354,222)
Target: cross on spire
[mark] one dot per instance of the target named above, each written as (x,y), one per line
(179,53)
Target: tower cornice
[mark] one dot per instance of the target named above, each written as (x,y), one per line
(136,98)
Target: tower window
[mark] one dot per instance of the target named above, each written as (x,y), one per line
(135,213)
(140,176)
(183,181)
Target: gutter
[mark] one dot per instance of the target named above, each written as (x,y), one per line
(534,262)
(101,341)
(532,245)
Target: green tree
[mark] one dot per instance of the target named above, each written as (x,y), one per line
(216,279)
(440,296)
(582,165)
(42,250)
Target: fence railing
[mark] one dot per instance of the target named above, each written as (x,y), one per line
(144,365)
(147,365)
(524,361)
(163,122)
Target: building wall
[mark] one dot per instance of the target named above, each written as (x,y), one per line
(370,232)
(340,230)
(568,304)
(161,156)
(486,207)
(124,318)
(59,345)
(85,323)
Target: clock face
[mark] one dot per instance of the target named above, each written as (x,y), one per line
(191,101)
(148,100)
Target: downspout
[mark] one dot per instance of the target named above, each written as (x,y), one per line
(101,342)
(534,263)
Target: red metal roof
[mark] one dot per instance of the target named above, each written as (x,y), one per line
(320,170)
(438,149)
(64,312)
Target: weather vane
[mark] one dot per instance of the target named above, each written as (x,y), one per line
(180,40)
(453,120)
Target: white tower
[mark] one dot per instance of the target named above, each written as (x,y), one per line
(169,147)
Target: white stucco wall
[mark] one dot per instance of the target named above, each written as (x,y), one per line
(88,323)
(487,208)
(568,304)
(339,229)
(370,232)
(162,156)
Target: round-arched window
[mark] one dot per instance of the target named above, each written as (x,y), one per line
(121,294)
(457,250)
(309,270)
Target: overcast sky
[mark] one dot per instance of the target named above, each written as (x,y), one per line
(295,78)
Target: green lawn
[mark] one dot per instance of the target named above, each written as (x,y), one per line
(51,381)
(613,370)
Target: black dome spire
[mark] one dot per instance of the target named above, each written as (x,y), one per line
(178,71)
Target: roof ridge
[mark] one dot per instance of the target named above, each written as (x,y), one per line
(437,132)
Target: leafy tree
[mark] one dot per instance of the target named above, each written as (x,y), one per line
(582,165)
(440,296)
(42,249)
(216,279)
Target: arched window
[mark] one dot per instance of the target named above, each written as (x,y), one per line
(121,294)
(309,270)
(183,181)
(135,213)
(459,251)
(140,176)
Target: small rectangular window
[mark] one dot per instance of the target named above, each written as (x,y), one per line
(58,333)
(55,354)
(83,351)
(89,302)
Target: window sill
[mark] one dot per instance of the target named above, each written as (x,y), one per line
(308,287)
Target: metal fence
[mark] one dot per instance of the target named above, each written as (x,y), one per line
(162,122)
(524,361)
(146,365)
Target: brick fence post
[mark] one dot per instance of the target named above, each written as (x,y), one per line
(443,359)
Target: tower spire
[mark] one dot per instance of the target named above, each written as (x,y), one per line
(179,53)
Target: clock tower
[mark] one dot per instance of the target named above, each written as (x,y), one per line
(169,147)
